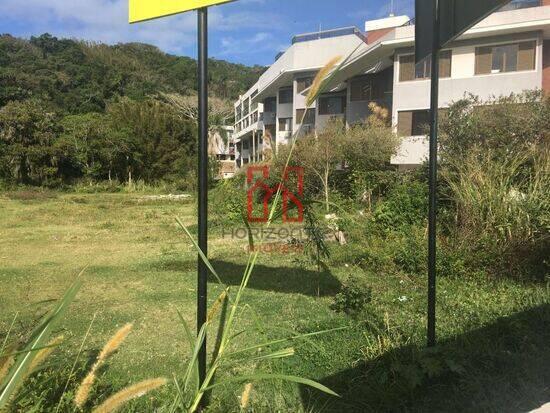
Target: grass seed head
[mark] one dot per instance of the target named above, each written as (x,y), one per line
(245,396)
(116,401)
(318,81)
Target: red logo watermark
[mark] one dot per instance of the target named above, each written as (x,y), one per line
(291,199)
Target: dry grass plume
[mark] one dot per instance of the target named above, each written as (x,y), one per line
(83,392)
(216,306)
(319,79)
(134,391)
(245,396)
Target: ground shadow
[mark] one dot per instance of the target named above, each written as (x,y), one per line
(503,367)
(280,279)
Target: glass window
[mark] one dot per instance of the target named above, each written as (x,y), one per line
(332,105)
(309,118)
(505,58)
(413,123)
(408,70)
(285,124)
(303,83)
(270,105)
(285,96)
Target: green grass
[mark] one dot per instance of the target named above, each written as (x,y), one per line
(493,333)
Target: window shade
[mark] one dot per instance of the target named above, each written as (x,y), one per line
(526,55)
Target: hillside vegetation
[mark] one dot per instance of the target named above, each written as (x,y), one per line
(73,111)
(80,77)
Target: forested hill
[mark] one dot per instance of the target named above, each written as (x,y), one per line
(72,111)
(79,77)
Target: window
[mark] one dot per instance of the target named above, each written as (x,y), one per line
(332,105)
(285,96)
(285,124)
(504,58)
(270,105)
(246,145)
(303,83)
(423,70)
(361,89)
(370,87)
(246,109)
(309,118)
(413,123)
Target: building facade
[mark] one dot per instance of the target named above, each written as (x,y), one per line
(508,52)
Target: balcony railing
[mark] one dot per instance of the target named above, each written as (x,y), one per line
(328,34)
(521,4)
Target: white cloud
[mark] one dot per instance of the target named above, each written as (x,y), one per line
(107,21)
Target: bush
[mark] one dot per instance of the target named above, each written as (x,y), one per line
(354,297)
(406,205)
(228,201)
(503,125)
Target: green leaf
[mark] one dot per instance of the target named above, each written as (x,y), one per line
(38,339)
(287,352)
(198,344)
(283,377)
(201,254)
(191,341)
(284,340)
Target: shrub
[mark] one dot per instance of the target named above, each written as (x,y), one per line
(354,297)
(503,125)
(406,205)
(228,201)
(410,252)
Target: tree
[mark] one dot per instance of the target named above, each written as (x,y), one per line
(220,111)
(27,134)
(161,144)
(321,154)
(92,147)
(361,148)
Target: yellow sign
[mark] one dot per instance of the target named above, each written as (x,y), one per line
(141,10)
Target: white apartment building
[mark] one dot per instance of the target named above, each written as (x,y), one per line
(508,52)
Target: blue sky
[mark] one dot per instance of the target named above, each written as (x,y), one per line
(246,31)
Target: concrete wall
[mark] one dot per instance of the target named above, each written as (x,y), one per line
(284,110)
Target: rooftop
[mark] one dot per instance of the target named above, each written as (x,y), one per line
(327,34)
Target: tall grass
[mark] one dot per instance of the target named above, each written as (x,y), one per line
(502,198)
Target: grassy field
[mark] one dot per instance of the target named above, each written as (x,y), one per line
(494,334)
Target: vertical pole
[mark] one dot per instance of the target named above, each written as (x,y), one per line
(432,214)
(203,182)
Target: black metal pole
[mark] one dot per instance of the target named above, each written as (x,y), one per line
(203,181)
(432,214)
